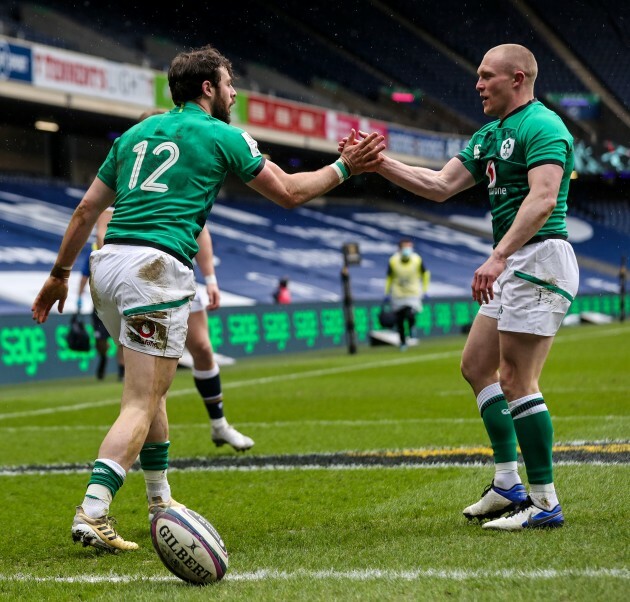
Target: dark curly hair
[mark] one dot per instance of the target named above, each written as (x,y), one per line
(190,69)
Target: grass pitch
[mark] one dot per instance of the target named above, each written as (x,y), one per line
(353,491)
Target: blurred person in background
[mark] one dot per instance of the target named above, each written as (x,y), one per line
(406,282)
(282,294)
(205,369)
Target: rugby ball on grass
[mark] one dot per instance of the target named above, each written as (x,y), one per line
(189,546)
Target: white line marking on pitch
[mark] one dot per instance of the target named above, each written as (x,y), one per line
(21,472)
(352,575)
(293,423)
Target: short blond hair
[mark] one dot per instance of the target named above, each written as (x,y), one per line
(514,57)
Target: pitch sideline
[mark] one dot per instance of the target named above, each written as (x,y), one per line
(353,575)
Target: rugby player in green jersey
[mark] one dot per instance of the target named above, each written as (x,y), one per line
(524,288)
(163,176)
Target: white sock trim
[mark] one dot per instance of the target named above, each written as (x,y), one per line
(506,466)
(97,500)
(206,374)
(488,393)
(117,468)
(506,475)
(155,476)
(517,403)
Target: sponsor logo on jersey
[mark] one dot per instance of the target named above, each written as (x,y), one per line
(507,148)
(491,172)
(499,190)
(253,145)
(476,151)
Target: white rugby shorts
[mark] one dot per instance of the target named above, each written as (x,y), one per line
(536,289)
(143,297)
(201,299)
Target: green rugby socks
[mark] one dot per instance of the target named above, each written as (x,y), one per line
(106,479)
(500,428)
(496,418)
(534,430)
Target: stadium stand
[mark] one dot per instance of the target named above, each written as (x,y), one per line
(604,204)
(257,242)
(273,38)
(348,61)
(343,59)
(599,34)
(424,66)
(475,33)
(68,29)
(358,49)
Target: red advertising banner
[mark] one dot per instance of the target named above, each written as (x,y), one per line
(338,125)
(285,116)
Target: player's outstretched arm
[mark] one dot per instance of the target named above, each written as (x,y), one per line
(428,183)
(292,190)
(96,199)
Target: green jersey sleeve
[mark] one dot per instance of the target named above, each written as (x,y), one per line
(547,141)
(240,153)
(469,156)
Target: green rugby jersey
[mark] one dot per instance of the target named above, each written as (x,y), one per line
(502,152)
(167,171)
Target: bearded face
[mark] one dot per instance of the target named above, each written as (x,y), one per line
(221,109)
(223,98)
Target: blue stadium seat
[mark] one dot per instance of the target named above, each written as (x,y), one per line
(257,242)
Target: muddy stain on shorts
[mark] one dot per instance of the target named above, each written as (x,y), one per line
(145,330)
(154,272)
(547,296)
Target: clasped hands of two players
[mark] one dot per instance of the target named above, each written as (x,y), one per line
(359,156)
(361,152)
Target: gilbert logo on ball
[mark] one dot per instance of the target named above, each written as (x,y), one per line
(189,546)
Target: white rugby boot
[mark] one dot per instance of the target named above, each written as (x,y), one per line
(528,516)
(226,433)
(496,502)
